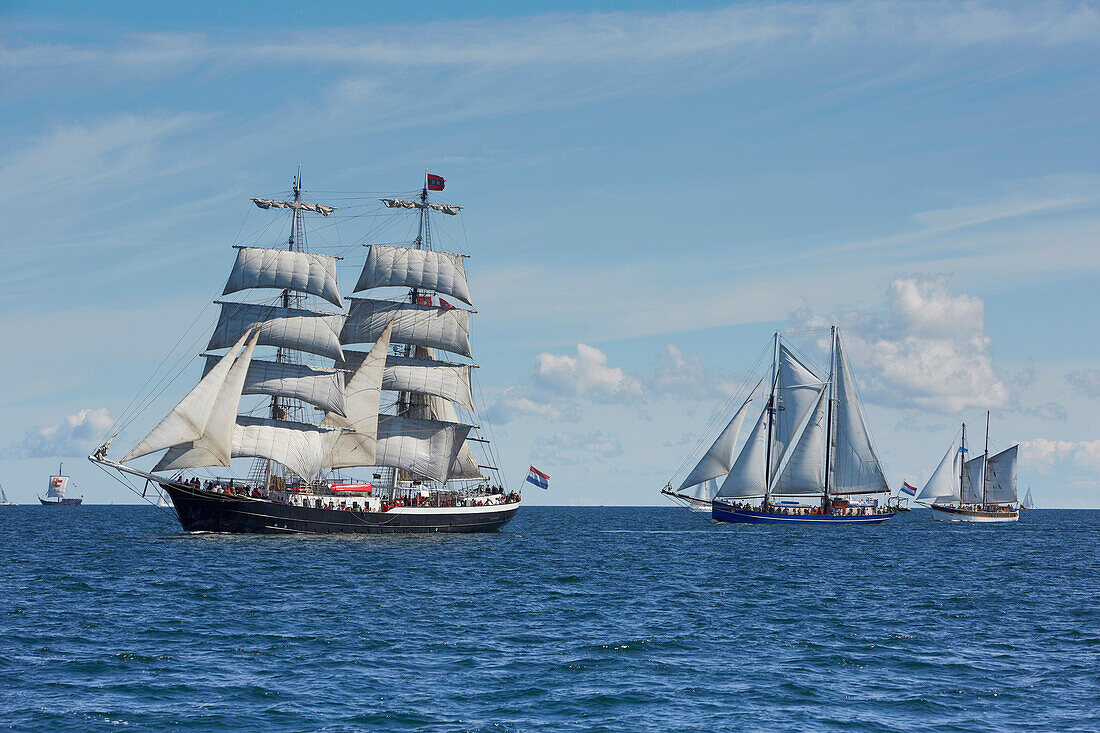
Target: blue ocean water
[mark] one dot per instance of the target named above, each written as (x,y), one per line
(632,619)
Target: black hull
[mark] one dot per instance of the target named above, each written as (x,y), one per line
(207,511)
(62,502)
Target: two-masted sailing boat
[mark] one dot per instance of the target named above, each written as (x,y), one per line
(391,411)
(808,455)
(982,489)
(56,489)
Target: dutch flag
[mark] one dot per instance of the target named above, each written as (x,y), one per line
(907,489)
(538,478)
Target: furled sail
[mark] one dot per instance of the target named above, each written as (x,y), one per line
(424,447)
(419,325)
(188,419)
(356,443)
(215,446)
(797,390)
(443,272)
(971,491)
(804,471)
(297,205)
(718,459)
(404,204)
(747,478)
(323,388)
(289,328)
(444,379)
(1000,477)
(855,465)
(943,486)
(303,272)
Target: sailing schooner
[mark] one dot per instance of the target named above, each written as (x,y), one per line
(58,485)
(810,441)
(322,418)
(982,489)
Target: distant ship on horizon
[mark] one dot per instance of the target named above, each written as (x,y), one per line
(4,501)
(58,486)
(982,489)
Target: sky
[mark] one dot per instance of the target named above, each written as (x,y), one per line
(651,190)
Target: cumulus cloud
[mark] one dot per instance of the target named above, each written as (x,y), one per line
(927,350)
(521,401)
(680,375)
(586,375)
(561,447)
(76,435)
(1085,381)
(1043,454)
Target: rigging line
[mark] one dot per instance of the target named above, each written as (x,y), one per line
(711,429)
(489,427)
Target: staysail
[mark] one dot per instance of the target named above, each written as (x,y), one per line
(747,477)
(355,444)
(320,387)
(718,460)
(797,390)
(972,479)
(804,470)
(943,485)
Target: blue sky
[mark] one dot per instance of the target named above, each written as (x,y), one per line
(651,190)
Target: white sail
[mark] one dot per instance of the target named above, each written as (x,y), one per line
(450,209)
(1000,477)
(1028,503)
(718,459)
(303,272)
(444,379)
(356,442)
(297,205)
(443,272)
(804,470)
(58,486)
(855,465)
(972,479)
(188,419)
(419,325)
(747,478)
(943,485)
(321,387)
(797,390)
(288,328)
(464,465)
(424,447)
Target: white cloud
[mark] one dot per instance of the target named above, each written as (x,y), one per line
(928,350)
(77,435)
(586,375)
(1085,381)
(679,374)
(1048,411)
(1044,454)
(516,402)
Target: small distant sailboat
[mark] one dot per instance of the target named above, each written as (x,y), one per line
(810,441)
(59,484)
(4,498)
(1027,503)
(981,489)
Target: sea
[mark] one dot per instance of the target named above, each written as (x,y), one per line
(571,619)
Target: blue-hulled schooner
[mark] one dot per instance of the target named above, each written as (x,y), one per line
(809,458)
(392,412)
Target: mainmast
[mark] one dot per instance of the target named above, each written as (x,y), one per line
(771,421)
(829,413)
(962,463)
(985,457)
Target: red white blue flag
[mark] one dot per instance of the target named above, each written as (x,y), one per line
(538,478)
(435,183)
(907,489)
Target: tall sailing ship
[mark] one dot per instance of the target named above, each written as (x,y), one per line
(809,458)
(981,489)
(56,489)
(391,411)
